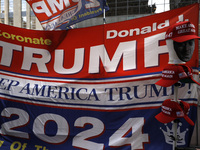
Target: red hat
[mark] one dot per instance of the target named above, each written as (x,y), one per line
(172,110)
(181,32)
(171,74)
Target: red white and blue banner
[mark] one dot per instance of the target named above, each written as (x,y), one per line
(60,15)
(91,88)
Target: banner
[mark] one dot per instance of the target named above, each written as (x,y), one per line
(54,15)
(91,88)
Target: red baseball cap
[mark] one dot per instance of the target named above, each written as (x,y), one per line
(171,110)
(181,32)
(171,74)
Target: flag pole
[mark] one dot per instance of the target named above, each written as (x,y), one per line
(104,16)
(104,12)
(176,85)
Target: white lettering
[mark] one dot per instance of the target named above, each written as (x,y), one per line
(78,62)
(152,49)
(144,30)
(168,71)
(123,33)
(127,50)
(7,52)
(53,3)
(29,59)
(163,25)
(111,34)
(41,7)
(125,54)
(92,4)
(137,31)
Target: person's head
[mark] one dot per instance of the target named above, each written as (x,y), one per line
(180,41)
(184,50)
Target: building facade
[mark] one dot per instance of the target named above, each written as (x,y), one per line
(120,10)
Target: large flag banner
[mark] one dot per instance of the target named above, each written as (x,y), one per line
(91,88)
(60,15)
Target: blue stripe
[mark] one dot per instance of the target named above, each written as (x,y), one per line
(98,106)
(92,79)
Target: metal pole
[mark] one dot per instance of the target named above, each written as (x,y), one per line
(6,11)
(0,12)
(17,13)
(28,16)
(104,16)
(176,85)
